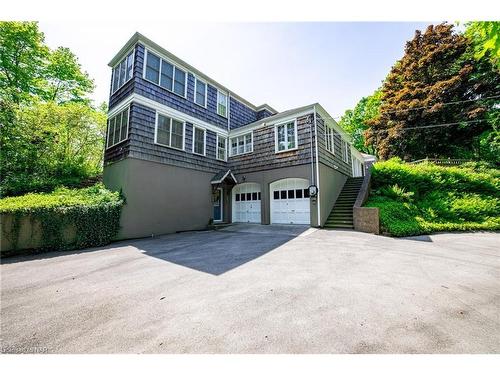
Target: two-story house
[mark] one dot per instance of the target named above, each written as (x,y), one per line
(187,151)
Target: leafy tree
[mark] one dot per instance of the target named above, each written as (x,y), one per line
(23,59)
(354,121)
(485,37)
(49,132)
(437,69)
(65,79)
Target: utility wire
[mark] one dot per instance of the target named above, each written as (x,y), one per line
(430,106)
(431,126)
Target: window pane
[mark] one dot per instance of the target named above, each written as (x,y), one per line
(298,193)
(116,135)
(167,75)
(124,125)
(283,194)
(291,135)
(234,146)
(111,130)
(200,93)
(179,81)
(281,138)
(259,196)
(254,196)
(221,104)
(199,141)
(130,65)
(241,145)
(248,142)
(177,134)
(276,195)
(237,197)
(249,196)
(163,132)
(243,196)
(306,193)
(116,77)
(221,148)
(291,194)
(123,72)
(153,68)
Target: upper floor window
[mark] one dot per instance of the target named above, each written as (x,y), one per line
(169,132)
(221,147)
(165,74)
(198,141)
(123,71)
(241,144)
(344,145)
(200,92)
(330,139)
(117,128)
(221,104)
(286,136)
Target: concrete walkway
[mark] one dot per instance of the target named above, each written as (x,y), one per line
(258,289)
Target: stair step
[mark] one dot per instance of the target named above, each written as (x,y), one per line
(346,226)
(338,221)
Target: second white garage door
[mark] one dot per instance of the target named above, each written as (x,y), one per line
(246,203)
(290,201)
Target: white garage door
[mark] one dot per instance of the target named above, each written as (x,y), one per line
(246,203)
(290,201)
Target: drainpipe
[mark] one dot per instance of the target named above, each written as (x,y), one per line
(317,166)
(228,117)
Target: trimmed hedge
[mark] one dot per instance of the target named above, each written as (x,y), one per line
(93,212)
(425,198)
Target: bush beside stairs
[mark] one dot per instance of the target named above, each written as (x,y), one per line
(341,215)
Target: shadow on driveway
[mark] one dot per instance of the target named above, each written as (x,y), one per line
(216,252)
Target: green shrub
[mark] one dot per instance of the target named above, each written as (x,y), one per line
(424,198)
(93,211)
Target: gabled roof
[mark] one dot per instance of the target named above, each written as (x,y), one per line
(138,37)
(221,176)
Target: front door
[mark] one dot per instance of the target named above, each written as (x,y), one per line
(217,201)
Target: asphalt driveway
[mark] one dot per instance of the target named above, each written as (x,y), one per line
(258,289)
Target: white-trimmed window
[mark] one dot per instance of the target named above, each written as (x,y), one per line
(286,136)
(241,144)
(344,145)
(123,72)
(169,132)
(200,92)
(199,140)
(221,104)
(117,128)
(165,74)
(330,139)
(221,147)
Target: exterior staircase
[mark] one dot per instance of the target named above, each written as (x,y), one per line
(341,215)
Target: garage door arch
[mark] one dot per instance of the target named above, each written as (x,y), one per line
(246,203)
(290,202)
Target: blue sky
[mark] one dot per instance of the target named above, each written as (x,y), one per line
(283,64)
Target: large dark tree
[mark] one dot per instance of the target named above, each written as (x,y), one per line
(438,68)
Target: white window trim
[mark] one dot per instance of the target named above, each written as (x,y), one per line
(196,79)
(113,89)
(204,141)
(225,148)
(276,151)
(237,136)
(343,145)
(146,52)
(332,137)
(170,140)
(227,105)
(128,125)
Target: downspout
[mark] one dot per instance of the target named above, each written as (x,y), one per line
(228,116)
(312,157)
(317,166)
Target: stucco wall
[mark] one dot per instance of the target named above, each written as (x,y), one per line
(160,198)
